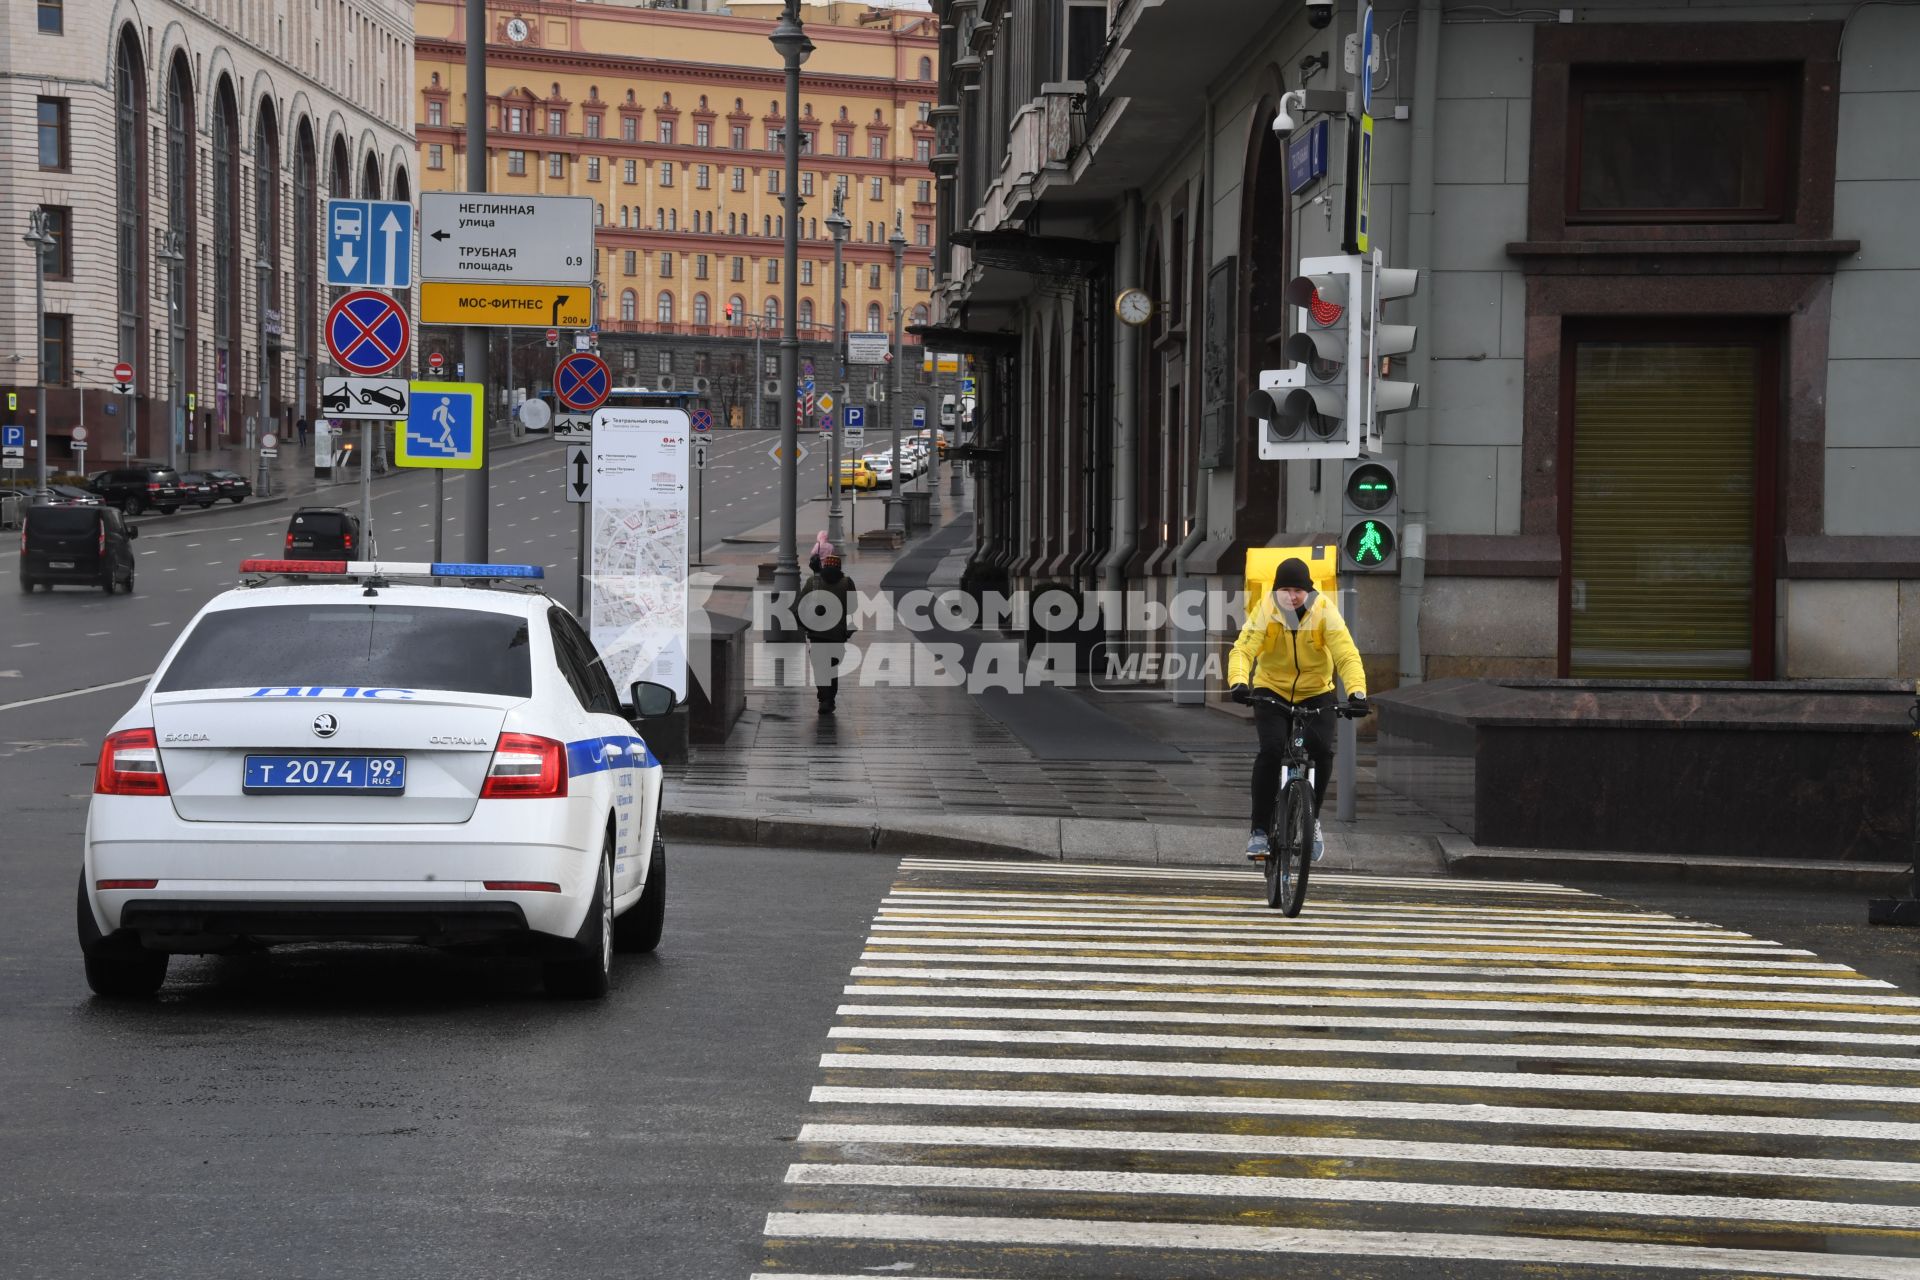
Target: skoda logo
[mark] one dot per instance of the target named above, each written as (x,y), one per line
(325,725)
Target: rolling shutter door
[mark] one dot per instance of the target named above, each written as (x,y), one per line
(1662,575)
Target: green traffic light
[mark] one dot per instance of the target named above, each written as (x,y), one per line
(1369,543)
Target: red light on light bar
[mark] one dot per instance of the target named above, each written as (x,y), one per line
(521,886)
(293,566)
(125,884)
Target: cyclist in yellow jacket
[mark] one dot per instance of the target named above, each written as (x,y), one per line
(1294,640)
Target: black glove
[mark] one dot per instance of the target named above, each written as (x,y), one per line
(1241,694)
(1357,705)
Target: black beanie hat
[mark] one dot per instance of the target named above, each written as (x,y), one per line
(1293,572)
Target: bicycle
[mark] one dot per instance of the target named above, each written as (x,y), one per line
(1290,829)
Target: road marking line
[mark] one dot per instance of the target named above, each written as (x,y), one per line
(1339,909)
(1410,1077)
(1267,979)
(159,624)
(1557,968)
(1092,1139)
(1193,1043)
(1280,948)
(1370,1110)
(1356,1191)
(1486,935)
(27,644)
(1078,871)
(1110,1233)
(92,634)
(75,693)
(1501,1026)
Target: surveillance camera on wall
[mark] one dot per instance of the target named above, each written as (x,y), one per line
(1286,118)
(1319,14)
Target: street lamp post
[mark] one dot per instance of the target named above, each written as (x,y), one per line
(41,239)
(838,226)
(896,505)
(262,270)
(173,254)
(790,38)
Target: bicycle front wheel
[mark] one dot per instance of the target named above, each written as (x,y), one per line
(1291,851)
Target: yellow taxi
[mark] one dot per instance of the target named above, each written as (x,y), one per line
(855,474)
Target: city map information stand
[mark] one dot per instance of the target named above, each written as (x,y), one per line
(636,553)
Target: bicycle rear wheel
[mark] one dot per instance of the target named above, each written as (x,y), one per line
(1291,851)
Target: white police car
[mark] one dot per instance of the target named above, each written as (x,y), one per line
(348,756)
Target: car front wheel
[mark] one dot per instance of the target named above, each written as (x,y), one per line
(135,506)
(587,974)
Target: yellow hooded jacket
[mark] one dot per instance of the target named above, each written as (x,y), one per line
(1296,663)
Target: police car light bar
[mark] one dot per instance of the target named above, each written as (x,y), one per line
(390,568)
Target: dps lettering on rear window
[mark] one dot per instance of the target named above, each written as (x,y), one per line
(376,646)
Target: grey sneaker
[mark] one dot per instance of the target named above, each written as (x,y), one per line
(1319,842)
(1257,847)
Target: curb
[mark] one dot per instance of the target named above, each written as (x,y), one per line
(1465,858)
(1101,840)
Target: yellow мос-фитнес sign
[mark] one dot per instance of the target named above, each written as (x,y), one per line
(534,306)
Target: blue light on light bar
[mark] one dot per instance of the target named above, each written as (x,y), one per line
(440,570)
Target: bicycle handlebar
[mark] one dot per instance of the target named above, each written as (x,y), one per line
(1267,697)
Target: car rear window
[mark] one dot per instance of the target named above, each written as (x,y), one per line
(163,475)
(321,522)
(61,520)
(359,646)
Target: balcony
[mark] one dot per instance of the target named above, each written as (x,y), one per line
(1040,142)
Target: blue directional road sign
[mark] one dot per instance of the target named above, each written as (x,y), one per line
(367,332)
(370,244)
(919,415)
(440,429)
(856,417)
(13,437)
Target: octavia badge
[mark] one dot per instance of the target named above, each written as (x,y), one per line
(325,725)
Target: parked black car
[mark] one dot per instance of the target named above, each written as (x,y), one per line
(85,546)
(208,487)
(136,487)
(323,533)
(234,487)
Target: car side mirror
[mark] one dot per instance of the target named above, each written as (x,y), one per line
(650,700)
(133,531)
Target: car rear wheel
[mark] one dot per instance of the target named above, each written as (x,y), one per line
(207,505)
(135,506)
(26,584)
(237,501)
(640,928)
(118,968)
(587,974)
(167,511)
(106,583)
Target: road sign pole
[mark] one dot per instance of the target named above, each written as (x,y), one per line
(366,488)
(700,515)
(439,512)
(479,491)
(580,588)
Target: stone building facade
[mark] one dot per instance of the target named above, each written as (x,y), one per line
(1668,355)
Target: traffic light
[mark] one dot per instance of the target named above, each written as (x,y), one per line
(1313,410)
(1385,341)
(727,310)
(1370,516)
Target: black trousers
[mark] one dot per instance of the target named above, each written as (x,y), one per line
(1271,723)
(826,657)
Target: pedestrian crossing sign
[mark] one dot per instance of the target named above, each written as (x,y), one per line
(444,427)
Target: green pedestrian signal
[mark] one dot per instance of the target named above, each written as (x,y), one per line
(1370,515)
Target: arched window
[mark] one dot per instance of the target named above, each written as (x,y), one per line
(266,216)
(920,314)
(873,317)
(599,215)
(738,305)
(226,217)
(926,68)
(673,219)
(772,313)
(370,178)
(806,312)
(659,219)
(629,305)
(130,194)
(663,307)
(766,224)
(702,311)
(305,285)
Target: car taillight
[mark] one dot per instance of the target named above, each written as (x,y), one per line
(100,537)
(526,766)
(289,541)
(349,540)
(129,765)
(153,488)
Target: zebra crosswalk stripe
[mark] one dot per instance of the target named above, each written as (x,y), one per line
(1097,1062)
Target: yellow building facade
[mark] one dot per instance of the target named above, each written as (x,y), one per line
(670,120)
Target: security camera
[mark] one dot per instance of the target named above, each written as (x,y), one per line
(1286,117)
(1319,14)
